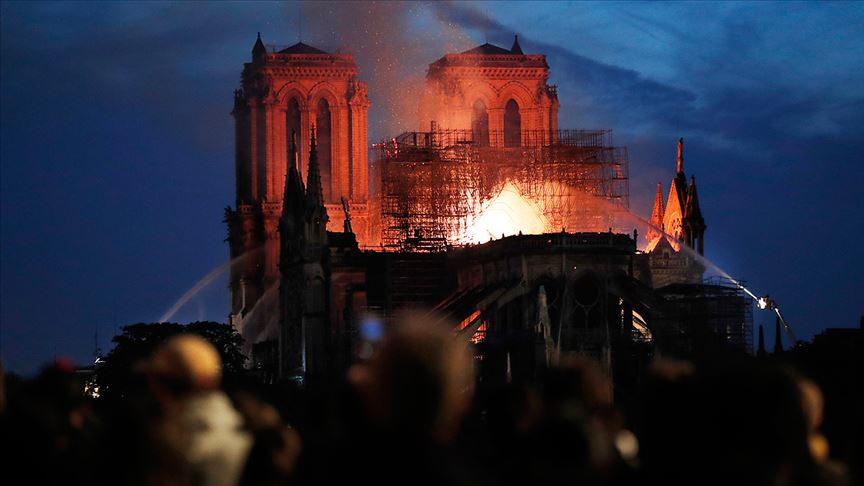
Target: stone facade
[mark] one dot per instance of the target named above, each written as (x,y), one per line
(682,222)
(288,236)
(283,95)
(290,91)
(489,89)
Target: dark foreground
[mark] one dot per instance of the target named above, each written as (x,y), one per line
(413,414)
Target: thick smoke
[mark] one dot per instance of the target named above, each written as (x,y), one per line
(392,43)
(594,94)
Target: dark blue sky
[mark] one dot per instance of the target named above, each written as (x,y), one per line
(116,141)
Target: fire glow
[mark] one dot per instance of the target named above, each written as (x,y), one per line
(506,214)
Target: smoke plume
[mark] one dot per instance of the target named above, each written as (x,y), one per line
(392,43)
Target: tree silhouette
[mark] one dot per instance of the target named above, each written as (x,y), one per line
(117,373)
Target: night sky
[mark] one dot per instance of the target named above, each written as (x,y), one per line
(117,143)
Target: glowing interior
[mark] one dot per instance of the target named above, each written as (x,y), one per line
(508,213)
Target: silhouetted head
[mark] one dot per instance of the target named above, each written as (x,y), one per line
(738,419)
(419,384)
(184,364)
(813,404)
(578,425)
(60,385)
(577,382)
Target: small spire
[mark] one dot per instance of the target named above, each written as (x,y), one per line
(316,213)
(760,351)
(694,223)
(292,197)
(657,213)
(314,192)
(516,49)
(778,342)
(258,50)
(691,208)
(658,210)
(681,155)
(293,152)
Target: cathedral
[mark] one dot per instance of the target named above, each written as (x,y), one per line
(491,90)
(679,221)
(285,94)
(320,266)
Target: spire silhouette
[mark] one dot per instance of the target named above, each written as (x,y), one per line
(516,49)
(760,351)
(694,223)
(679,182)
(658,210)
(691,209)
(316,213)
(258,50)
(314,191)
(293,195)
(778,342)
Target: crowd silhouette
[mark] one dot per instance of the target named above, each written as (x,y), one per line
(414,413)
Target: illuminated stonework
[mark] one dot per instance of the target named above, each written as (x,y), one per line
(480,215)
(681,221)
(285,93)
(503,96)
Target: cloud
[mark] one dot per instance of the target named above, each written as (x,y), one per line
(595,91)
(138,63)
(728,100)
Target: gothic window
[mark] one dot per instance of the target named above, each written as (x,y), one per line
(292,125)
(480,123)
(325,147)
(512,125)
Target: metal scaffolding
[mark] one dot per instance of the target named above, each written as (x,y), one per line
(435,184)
(717,305)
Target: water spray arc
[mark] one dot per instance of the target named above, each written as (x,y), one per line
(767,302)
(761,302)
(254,323)
(201,284)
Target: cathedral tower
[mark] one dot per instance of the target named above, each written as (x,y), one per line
(694,224)
(656,216)
(283,92)
(681,219)
(501,95)
(673,215)
(292,234)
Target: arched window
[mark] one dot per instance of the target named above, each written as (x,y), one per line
(292,125)
(325,147)
(512,125)
(480,123)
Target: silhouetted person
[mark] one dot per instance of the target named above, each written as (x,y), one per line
(276,446)
(200,432)
(413,394)
(812,402)
(733,422)
(574,439)
(47,428)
